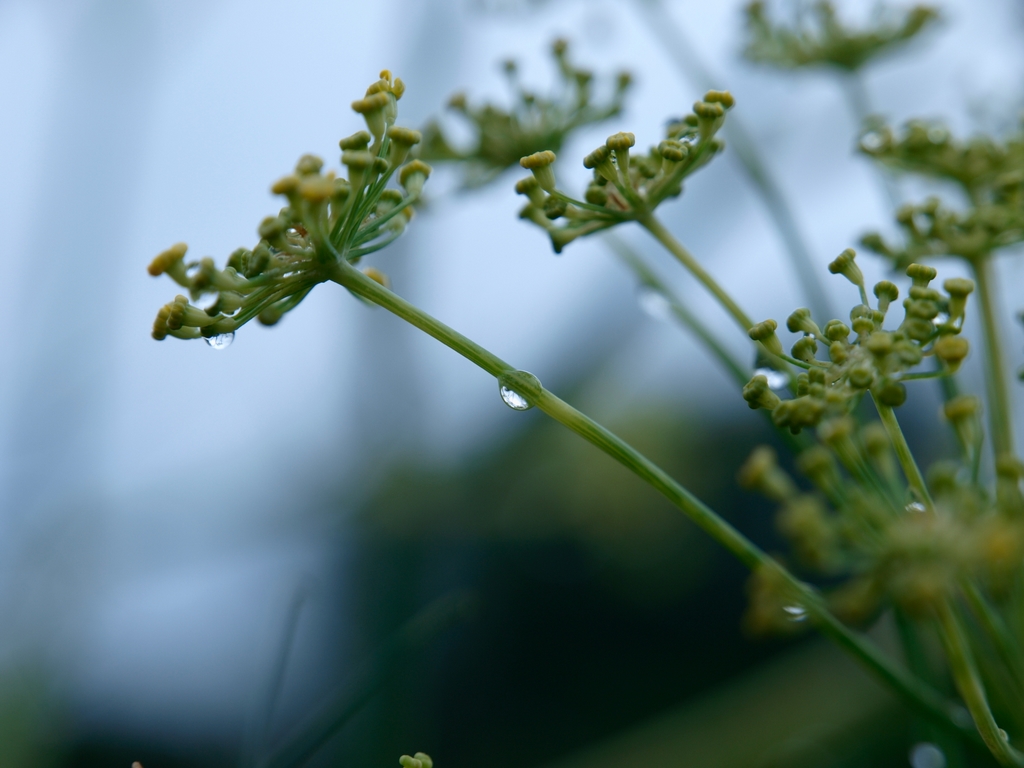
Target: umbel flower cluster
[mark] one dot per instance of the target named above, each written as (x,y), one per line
(819,38)
(625,187)
(534,122)
(327,219)
(863,356)
(917,547)
(990,174)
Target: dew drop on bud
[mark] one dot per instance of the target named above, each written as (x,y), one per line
(221,340)
(916,507)
(776,379)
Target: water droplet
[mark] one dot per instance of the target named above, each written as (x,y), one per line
(872,141)
(1004,735)
(518,388)
(795,612)
(916,507)
(654,303)
(927,755)
(513,399)
(221,340)
(776,379)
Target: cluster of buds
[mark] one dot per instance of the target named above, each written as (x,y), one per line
(625,187)
(873,359)
(990,173)
(534,123)
(327,219)
(932,229)
(858,527)
(819,38)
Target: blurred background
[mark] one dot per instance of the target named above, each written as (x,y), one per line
(331,543)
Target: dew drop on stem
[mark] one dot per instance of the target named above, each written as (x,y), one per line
(653,302)
(513,399)
(795,612)
(221,340)
(926,755)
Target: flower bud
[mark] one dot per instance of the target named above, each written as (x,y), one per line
(413,175)
(959,289)
(540,164)
(845,264)
(764,332)
(886,293)
(951,350)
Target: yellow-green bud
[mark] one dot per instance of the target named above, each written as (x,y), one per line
(845,264)
(168,261)
(764,332)
(308,164)
(540,164)
(621,141)
(402,140)
(761,473)
(836,330)
(890,393)
(921,274)
(805,349)
(720,97)
(357,141)
(959,289)
(886,293)
(530,187)
(413,175)
(600,161)
(800,322)
(758,395)
(372,109)
(952,350)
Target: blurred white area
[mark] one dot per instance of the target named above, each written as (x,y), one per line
(159,498)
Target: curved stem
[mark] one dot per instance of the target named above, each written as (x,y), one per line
(906,458)
(926,699)
(968,683)
(742,143)
(1000,412)
(663,236)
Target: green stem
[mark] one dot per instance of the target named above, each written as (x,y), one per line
(1008,649)
(910,688)
(903,454)
(743,146)
(1000,412)
(968,683)
(663,236)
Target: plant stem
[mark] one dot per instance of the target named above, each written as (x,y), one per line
(1006,646)
(1000,412)
(903,454)
(663,236)
(740,140)
(926,699)
(968,683)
